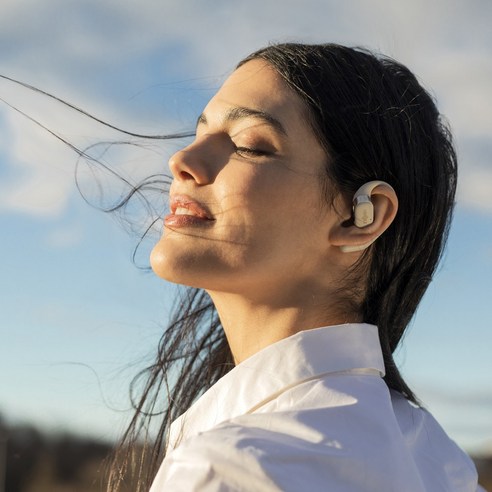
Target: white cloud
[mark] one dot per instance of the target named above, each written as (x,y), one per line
(475,189)
(462,83)
(36,184)
(90,43)
(66,237)
(39,176)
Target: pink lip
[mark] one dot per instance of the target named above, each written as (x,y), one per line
(200,214)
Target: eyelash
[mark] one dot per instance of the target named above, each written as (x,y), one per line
(246,151)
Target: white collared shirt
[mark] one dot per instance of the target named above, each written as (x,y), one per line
(311,413)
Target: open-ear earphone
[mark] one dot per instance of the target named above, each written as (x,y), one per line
(362,204)
(363,211)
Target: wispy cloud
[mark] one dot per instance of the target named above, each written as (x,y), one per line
(98,53)
(475,176)
(66,237)
(36,183)
(475,189)
(39,172)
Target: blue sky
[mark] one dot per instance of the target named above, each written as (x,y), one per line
(77,319)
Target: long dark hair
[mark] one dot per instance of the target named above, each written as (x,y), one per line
(375,121)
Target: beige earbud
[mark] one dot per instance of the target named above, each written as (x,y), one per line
(363,211)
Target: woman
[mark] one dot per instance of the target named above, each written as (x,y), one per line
(313,289)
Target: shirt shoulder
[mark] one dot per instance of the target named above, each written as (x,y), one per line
(441,462)
(308,438)
(243,456)
(221,459)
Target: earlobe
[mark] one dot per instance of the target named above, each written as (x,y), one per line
(352,249)
(374,208)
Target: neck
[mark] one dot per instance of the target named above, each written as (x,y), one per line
(251,325)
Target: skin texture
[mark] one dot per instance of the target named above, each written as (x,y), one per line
(270,258)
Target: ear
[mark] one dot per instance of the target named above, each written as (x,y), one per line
(350,238)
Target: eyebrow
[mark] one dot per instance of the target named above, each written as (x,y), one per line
(240,112)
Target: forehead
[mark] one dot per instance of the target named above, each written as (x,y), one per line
(257,85)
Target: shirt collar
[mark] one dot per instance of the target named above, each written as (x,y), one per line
(290,361)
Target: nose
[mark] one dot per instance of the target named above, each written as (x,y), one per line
(195,162)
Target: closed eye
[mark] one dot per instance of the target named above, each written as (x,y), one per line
(250,152)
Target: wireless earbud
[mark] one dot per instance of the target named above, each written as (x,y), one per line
(362,204)
(363,211)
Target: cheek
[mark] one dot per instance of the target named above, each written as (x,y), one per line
(260,190)
(279,220)
(267,220)
(283,199)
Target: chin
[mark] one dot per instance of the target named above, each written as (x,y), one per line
(163,266)
(179,269)
(204,268)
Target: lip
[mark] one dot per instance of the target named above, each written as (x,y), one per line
(201,216)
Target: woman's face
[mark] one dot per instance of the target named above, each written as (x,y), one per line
(247,214)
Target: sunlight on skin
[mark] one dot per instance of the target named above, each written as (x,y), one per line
(266,246)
